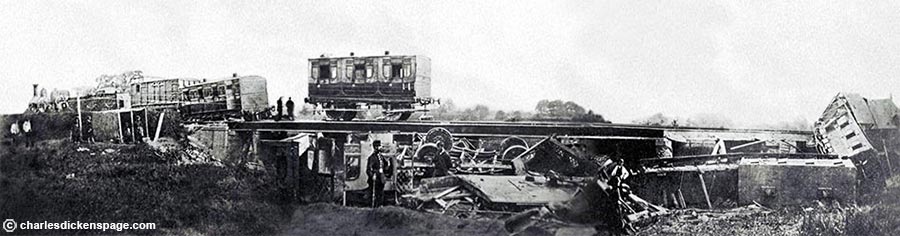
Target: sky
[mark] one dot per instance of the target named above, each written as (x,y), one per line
(753,62)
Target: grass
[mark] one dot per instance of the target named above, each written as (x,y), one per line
(134,183)
(877,216)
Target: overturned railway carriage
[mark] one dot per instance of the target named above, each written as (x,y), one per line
(226,98)
(865,131)
(159,91)
(342,85)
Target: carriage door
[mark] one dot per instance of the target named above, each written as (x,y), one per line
(126,129)
(140,124)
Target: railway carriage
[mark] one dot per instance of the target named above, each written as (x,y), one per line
(343,85)
(153,92)
(226,98)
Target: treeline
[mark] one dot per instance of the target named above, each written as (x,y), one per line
(708,120)
(545,110)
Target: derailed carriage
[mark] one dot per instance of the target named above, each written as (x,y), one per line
(233,97)
(343,85)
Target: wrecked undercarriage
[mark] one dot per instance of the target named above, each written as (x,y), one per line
(555,178)
(617,184)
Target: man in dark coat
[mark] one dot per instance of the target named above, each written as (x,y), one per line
(279,108)
(442,163)
(290,109)
(376,169)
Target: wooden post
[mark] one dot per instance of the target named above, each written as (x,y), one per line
(675,200)
(887,157)
(705,192)
(681,198)
(254,148)
(132,128)
(80,124)
(159,126)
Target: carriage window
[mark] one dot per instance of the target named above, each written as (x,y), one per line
(222,90)
(348,72)
(360,71)
(353,167)
(199,93)
(386,71)
(137,88)
(406,70)
(334,72)
(395,70)
(324,72)
(315,72)
(215,92)
(369,70)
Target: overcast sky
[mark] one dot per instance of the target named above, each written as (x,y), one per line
(751,61)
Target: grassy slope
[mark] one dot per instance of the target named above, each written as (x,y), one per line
(136,184)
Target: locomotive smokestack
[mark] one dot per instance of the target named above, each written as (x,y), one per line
(351,54)
(387,53)
(35,90)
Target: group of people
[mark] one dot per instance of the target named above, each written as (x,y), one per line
(22,133)
(84,131)
(279,109)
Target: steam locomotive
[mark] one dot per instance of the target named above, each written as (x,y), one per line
(343,85)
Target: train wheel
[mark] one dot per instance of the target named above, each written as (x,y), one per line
(427,152)
(348,115)
(334,115)
(512,141)
(439,136)
(513,152)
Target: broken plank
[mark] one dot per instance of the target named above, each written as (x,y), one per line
(440,194)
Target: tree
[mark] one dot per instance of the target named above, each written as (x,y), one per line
(541,107)
(709,120)
(590,117)
(500,115)
(657,119)
(445,111)
(572,109)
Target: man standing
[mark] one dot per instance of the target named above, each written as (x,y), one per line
(375,170)
(279,106)
(26,130)
(290,109)
(14,131)
(442,163)
(88,127)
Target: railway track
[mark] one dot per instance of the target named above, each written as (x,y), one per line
(488,129)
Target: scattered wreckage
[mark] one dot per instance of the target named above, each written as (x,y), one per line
(629,179)
(551,183)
